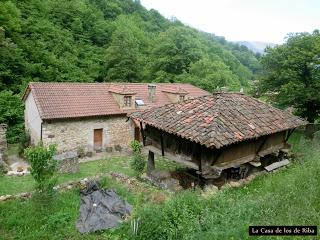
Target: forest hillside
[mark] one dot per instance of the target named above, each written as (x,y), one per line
(108,41)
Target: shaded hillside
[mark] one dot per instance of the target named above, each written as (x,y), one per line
(107,40)
(100,40)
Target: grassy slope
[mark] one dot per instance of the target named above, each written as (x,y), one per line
(287,197)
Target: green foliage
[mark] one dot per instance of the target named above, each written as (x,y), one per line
(175,50)
(24,142)
(177,218)
(11,113)
(43,166)
(56,220)
(136,146)
(100,40)
(292,74)
(209,75)
(9,16)
(289,196)
(3,168)
(138,164)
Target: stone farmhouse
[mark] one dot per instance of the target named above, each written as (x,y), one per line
(216,133)
(93,116)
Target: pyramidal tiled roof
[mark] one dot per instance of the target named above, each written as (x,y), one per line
(219,119)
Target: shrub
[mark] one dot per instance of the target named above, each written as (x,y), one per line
(43,166)
(3,168)
(136,146)
(138,164)
(11,113)
(24,142)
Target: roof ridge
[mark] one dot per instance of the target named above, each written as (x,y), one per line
(237,93)
(113,83)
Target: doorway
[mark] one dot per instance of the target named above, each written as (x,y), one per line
(97,139)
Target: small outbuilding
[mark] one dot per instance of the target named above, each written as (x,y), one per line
(213,133)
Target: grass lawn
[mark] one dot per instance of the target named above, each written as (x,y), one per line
(289,196)
(14,184)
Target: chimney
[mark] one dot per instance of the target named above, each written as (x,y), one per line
(152,92)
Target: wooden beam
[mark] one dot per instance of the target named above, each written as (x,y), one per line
(276,165)
(271,150)
(162,147)
(225,165)
(184,160)
(289,134)
(150,164)
(142,133)
(200,162)
(261,145)
(215,159)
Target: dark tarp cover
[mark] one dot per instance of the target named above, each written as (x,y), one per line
(100,209)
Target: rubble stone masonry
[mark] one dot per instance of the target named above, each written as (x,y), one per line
(69,135)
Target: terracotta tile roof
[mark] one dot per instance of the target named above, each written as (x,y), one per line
(74,100)
(175,89)
(220,119)
(123,90)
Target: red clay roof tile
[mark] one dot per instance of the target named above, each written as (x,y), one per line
(74,100)
(220,119)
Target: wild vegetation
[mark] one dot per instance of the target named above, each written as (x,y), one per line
(138,162)
(292,74)
(100,40)
(43,166)
(289,196)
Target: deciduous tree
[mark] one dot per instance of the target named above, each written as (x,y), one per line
(292,74)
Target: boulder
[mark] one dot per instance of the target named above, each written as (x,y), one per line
(68,162)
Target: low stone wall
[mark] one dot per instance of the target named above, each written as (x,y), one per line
(129,182)
(3,148)
(68,162)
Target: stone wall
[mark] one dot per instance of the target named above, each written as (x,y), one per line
(68,162)
(32,119)
(3,147)
(3,140)
(74,134)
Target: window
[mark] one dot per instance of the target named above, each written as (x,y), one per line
(181,98)
(139,102)
(127,101)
